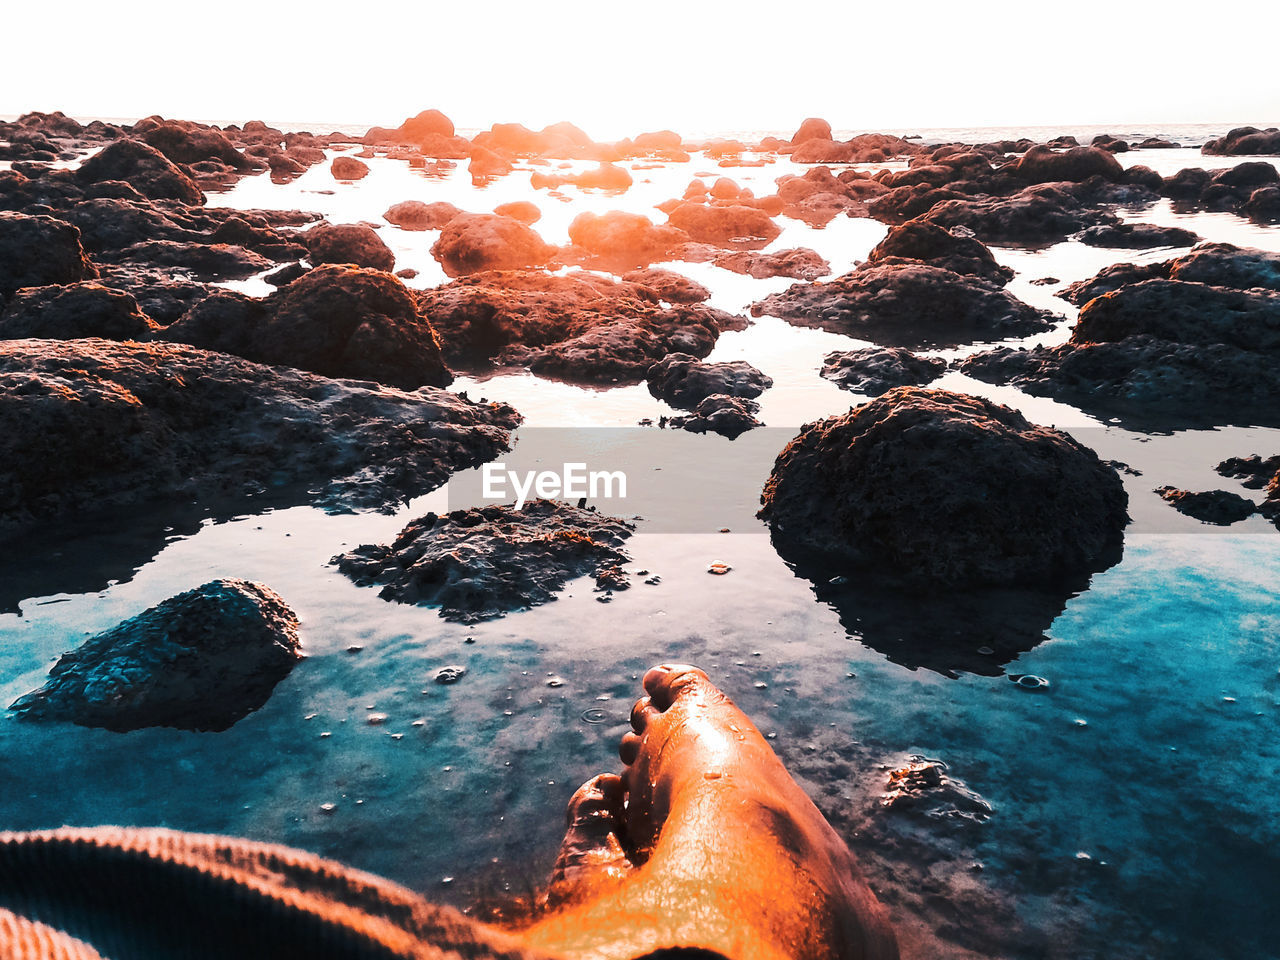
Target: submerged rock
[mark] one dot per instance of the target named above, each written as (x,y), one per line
(1144,380)
(38,251)
(623,240)
(732,225)
(945,489)
(875,370)
(684,381)
(1219,507)
(1137,236)
(801,263)
(199,661)
(485,562)
(75,310)
(336,320)
(906,303)
(472,242)
(416,215)
(92,424)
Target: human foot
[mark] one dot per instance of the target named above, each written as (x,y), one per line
(705,841)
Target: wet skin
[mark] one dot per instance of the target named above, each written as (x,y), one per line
(704,841)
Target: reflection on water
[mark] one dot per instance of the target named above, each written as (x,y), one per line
(1135,799)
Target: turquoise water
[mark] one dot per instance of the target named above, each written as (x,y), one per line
(1133,802)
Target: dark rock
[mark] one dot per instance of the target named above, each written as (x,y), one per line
(1113,278)
(801,263)
(875,370)
(1187,184)
(38,251)
(819,196)
(348,168)
(144,168)
(1006,502)
(1146,382)
(218,261)
(1040,214)
(101,425)
(160,295)
(185,142)
(72,311)
(684,381)
(1156,143)
(728,416)
(1144,177)
(348,243)
(485,562)
(733,225)
(1042,165)
(1263,205)
(1137,236)
(1219,507)
(416,215)
(1192,313)
(1226,265)
(337,320)
(1254,472)
(286,274)
(927,242)
(199,661)
(472,242)
(1252,174)
(1244,141)
(624,240)
(906,304)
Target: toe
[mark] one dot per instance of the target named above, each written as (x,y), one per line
(642,713)
(596,802)
(666,681)
(629,748)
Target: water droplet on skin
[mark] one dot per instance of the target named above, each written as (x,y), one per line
(712,775)
(555,682)
(1081,722)
(986,651)
(719,568)
(325,735)
(328,807)
(761,685)
(594,715)
(377,719)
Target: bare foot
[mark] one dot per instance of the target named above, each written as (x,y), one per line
(705,841)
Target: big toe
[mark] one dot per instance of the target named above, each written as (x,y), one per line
(667,682)
(591,851)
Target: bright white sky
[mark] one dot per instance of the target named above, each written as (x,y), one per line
(616,67)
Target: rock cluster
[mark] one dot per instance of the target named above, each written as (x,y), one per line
(486,562)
